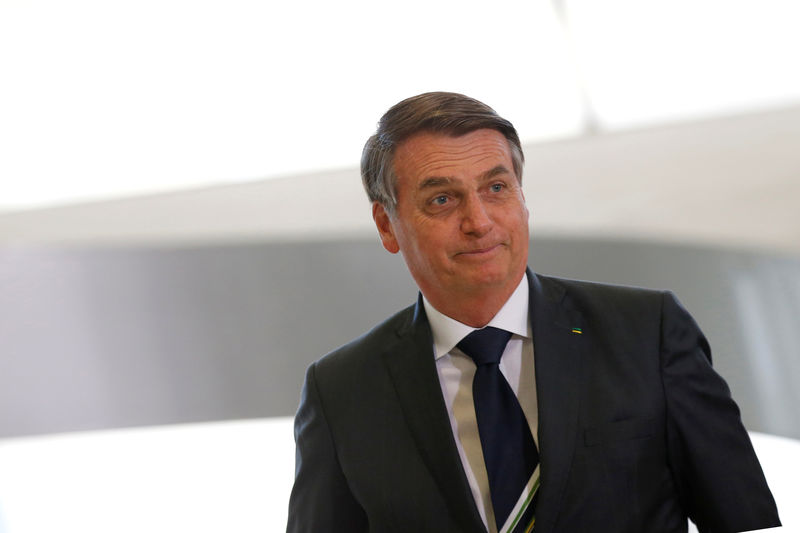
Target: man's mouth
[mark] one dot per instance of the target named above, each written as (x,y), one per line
(477,252)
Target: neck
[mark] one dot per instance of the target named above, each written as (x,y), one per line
(474,309)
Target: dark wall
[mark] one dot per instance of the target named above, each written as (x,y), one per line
(113,337)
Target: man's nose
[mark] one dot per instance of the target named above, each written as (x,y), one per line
(475,218)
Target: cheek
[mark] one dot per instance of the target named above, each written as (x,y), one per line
(431,254)
(413,246)
(520,219)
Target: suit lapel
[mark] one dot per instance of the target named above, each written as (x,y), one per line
(413,371)
(558,358)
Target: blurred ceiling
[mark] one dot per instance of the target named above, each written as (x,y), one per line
(104,100)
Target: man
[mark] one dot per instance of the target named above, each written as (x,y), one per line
(506,400)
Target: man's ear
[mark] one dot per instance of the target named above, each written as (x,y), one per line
(384,224)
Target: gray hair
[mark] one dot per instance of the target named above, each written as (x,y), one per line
(437,112)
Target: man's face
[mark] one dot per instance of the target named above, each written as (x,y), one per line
(461,222)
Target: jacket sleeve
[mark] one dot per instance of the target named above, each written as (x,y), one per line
(321,499)
(718,476)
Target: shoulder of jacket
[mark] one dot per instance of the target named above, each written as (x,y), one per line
(378,339)
(600,288)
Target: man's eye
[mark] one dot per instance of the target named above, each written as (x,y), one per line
(496,187)
(440,200)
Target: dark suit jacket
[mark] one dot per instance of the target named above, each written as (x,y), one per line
(636,430)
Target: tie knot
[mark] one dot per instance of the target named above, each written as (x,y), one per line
(485,346)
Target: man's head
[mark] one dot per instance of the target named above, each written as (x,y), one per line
(452,201)
(437,112)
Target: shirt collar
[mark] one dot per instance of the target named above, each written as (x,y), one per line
(447,332)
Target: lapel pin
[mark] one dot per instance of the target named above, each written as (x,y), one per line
(577,331)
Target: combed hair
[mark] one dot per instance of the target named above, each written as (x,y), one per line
(436,112)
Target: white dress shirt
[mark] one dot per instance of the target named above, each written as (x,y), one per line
(456,371)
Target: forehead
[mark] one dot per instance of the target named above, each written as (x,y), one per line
(427,154)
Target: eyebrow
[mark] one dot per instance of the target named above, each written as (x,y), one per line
(434,181)
(499,169)
(438,181)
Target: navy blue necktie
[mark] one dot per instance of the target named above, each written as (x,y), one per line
(508,448)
